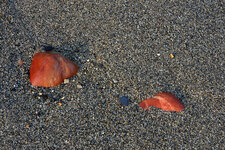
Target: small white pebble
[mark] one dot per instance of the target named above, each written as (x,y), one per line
(66,81)
(115,81)
(158,54)
(66,141)
(79,86)
(40,93)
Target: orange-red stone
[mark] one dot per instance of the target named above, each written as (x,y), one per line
(165,101)
(50,69)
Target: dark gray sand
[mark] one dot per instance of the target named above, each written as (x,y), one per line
(123,49)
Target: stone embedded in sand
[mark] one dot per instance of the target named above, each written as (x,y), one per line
(50,69)
(165,101)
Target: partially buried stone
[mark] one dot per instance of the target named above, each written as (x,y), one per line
(79,86)
(124,100)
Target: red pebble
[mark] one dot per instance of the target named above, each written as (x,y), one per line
(165,101)
(50,69)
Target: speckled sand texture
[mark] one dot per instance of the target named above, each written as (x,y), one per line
(123,48)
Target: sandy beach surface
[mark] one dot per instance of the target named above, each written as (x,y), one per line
(124,48)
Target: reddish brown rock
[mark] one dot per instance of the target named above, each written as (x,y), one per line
(50,69)
(165,101)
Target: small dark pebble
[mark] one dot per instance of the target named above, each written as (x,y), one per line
(13,89)
(124,100)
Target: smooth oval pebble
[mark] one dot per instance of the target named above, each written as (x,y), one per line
(124,100)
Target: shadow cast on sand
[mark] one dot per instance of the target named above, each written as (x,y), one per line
(77,52)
